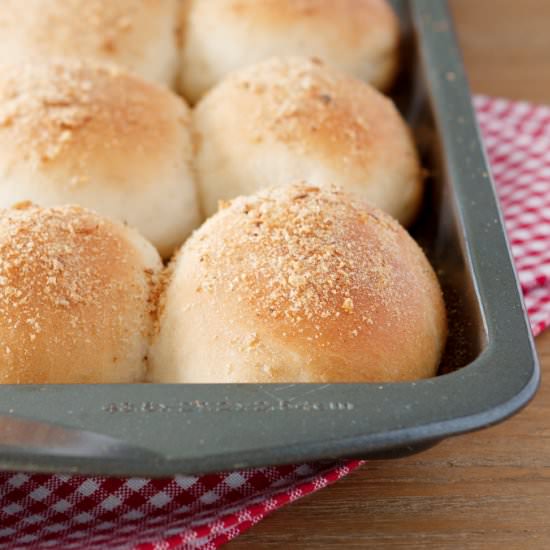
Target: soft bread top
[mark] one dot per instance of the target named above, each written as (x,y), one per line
(141,35)
(297,118)
(358,36)
(96,135)
(76,297)
(299,284)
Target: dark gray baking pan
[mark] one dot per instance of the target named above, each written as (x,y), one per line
(488,373)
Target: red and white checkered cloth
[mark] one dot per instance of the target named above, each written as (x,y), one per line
(517,139)
(187,512)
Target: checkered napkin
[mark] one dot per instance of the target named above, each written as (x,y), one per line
(517,139)
(188,512)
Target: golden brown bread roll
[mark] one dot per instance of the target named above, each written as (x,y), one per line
(360,37)
(299,284)
(138,34)
(295,118)
(77,295)
(81,133)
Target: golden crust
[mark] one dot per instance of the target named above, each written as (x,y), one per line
(75,297)
(360,37)
(93,134)
(138,34)
(298,284)
(300,102)
(337,122)
(83,112)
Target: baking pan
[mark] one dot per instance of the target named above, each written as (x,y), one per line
(488,373)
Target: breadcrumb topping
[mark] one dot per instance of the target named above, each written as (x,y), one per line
(73,111)
(300,255)
(304,103)
(67,275)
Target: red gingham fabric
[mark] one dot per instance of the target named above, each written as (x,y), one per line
(517,139)
(188,512)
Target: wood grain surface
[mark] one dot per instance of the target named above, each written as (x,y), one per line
(487,490)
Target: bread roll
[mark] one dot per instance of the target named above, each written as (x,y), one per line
(95,135)
(138,34)
(287,119)
(360,37)
(299,284)
(76,297)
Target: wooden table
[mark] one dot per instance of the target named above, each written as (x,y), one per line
(485,490)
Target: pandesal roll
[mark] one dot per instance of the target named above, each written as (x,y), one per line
(296,118)
(95,135)
(360,37)
(77,297)
(141,35)
(299,284)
